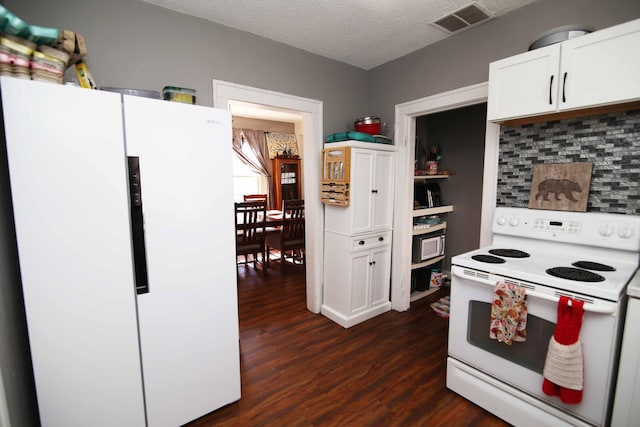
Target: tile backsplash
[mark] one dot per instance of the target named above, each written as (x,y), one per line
(611,142)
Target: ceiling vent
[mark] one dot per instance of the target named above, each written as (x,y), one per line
(463,18)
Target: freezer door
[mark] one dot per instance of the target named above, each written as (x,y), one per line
(69,192)
(189,316)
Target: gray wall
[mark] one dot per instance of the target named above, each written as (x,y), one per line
(137,45)
(464,59)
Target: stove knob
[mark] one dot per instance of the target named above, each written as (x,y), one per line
(605,230)
(501,220)
(514,222)
(625,232)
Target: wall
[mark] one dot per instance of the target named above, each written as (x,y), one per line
(611,142)
(464,58)
(265,125)
(137,45)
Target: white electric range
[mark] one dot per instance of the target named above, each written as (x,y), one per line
(586,256)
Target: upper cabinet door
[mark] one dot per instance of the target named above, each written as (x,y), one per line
(371,179)
(601,68)
(362,175)
(382,190)
(372,190)
(524,85)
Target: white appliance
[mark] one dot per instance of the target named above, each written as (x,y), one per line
(105,353)
(531,248)
(427,246)
(626,411)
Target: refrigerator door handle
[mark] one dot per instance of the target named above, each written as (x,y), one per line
(137,226)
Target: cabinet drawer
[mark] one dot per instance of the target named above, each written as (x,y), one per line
(371,241)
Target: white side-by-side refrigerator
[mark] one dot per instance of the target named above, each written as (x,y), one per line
(123,211)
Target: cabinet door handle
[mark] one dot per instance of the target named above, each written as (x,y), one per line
(137,227)
(550,90)
(374,191)
(372,263)
(564,85)
(380,239)
(361,242)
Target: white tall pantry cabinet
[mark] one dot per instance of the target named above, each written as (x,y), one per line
(357,260)
(107,351)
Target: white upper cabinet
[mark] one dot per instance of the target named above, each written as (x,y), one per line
(524,85)
(602,68)
(597,69)
(371,191)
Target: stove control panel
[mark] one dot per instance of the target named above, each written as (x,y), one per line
(614,231)
(571,227)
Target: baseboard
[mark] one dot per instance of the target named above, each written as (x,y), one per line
(349,321)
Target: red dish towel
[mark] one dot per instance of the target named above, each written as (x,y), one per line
(563,368)
(508,314)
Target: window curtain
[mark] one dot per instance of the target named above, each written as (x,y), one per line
(257,141)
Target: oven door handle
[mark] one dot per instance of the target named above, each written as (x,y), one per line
(588,306)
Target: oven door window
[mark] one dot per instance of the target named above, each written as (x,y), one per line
(530,354)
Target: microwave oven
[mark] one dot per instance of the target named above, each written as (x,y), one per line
(426,246)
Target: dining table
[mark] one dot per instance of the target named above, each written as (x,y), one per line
(274,219)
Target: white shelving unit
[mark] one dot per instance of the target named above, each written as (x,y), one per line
(432,211)
(429,177)
(418,229)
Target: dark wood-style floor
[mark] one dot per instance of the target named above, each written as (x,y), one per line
(301,369)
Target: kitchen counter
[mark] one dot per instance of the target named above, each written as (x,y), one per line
(626,413)
(633,290)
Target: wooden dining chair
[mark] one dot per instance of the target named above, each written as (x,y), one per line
(290,240)
(262,197)
(250,235)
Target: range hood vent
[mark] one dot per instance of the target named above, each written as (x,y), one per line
(466,17)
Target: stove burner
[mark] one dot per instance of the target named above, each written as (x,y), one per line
(576,274)
(488,258)
(509,253)
(593,266)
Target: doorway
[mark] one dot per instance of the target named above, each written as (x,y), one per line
(405,134)
(246,180)
(231,96)
(458,137)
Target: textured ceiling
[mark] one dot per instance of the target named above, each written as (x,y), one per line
(363,33)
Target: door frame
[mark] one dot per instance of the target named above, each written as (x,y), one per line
(405,134)
(224,94)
